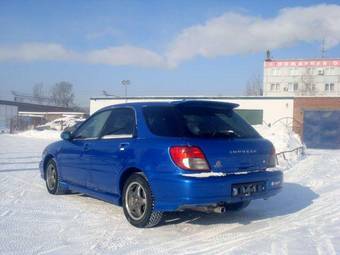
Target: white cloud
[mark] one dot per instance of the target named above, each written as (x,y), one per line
(36,51)
(231,33)
(116,56)
(234,33)
(125,55)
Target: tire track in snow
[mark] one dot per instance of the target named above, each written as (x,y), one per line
(317,213)
(80,225)
(323,243)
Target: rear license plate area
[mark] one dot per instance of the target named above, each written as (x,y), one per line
(247,189)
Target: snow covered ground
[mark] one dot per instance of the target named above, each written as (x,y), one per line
(303,219)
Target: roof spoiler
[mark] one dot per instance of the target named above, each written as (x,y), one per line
(206,103)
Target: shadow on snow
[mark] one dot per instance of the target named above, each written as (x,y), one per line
(293,198)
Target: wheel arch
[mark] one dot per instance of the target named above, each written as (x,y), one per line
(46,159)
(124,176)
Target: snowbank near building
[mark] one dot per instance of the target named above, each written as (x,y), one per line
(282,138)
(52,130)
(288,146)
(52,135)
(61,123)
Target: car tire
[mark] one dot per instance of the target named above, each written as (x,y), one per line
(138,202)
(237,206)
(52,179)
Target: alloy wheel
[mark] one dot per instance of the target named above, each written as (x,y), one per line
(51,177)
(135,200)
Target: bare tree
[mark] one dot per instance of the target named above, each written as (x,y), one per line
(38,92)
(62,94)
(254,86)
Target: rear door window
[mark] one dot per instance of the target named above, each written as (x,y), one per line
(92,128)
(163,121)
(121,123)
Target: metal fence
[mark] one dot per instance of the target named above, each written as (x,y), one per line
(286,155)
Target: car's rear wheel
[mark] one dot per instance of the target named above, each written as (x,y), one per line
(52,178)
(237,206)
(138,203)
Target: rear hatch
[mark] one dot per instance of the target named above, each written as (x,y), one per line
(235,155)
(228,142)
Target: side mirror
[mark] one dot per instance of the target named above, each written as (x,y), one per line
(66,135)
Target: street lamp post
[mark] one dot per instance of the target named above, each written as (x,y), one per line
(125,83)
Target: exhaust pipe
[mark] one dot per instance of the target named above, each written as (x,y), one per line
(219,209)
(210,209)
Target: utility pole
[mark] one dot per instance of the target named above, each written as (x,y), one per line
(125,83)
(323,50)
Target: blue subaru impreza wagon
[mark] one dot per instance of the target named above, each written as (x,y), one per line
(155,157)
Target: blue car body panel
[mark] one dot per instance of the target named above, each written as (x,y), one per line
(96,167)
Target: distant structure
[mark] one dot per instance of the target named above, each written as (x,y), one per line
(24,98)
(301,77)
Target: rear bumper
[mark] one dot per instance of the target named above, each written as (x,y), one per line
(174,192)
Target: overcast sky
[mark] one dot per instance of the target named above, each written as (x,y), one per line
(164,47)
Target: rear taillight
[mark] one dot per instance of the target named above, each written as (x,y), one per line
(273,159)
(189,157)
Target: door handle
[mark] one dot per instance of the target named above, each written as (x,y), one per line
(122,146)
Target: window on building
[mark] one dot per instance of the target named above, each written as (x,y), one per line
(296,86)
(320,72)
(313,87)
(330,71)
(290,87)
(331,87)
(272,86)
(277,86)
(296,71)
(326,87)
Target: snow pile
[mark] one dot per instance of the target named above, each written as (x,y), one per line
(52,129)
(282,138)
(43,134)
(61,123)
(288,146)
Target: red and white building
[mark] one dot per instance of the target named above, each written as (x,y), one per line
(301,77)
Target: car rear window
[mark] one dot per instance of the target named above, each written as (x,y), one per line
(200,122)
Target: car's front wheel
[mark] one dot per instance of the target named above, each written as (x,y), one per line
(138,202)
(52,178)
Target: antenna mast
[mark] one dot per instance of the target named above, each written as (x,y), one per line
(323,50)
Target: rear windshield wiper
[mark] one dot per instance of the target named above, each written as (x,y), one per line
(226,134)
(219,134)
